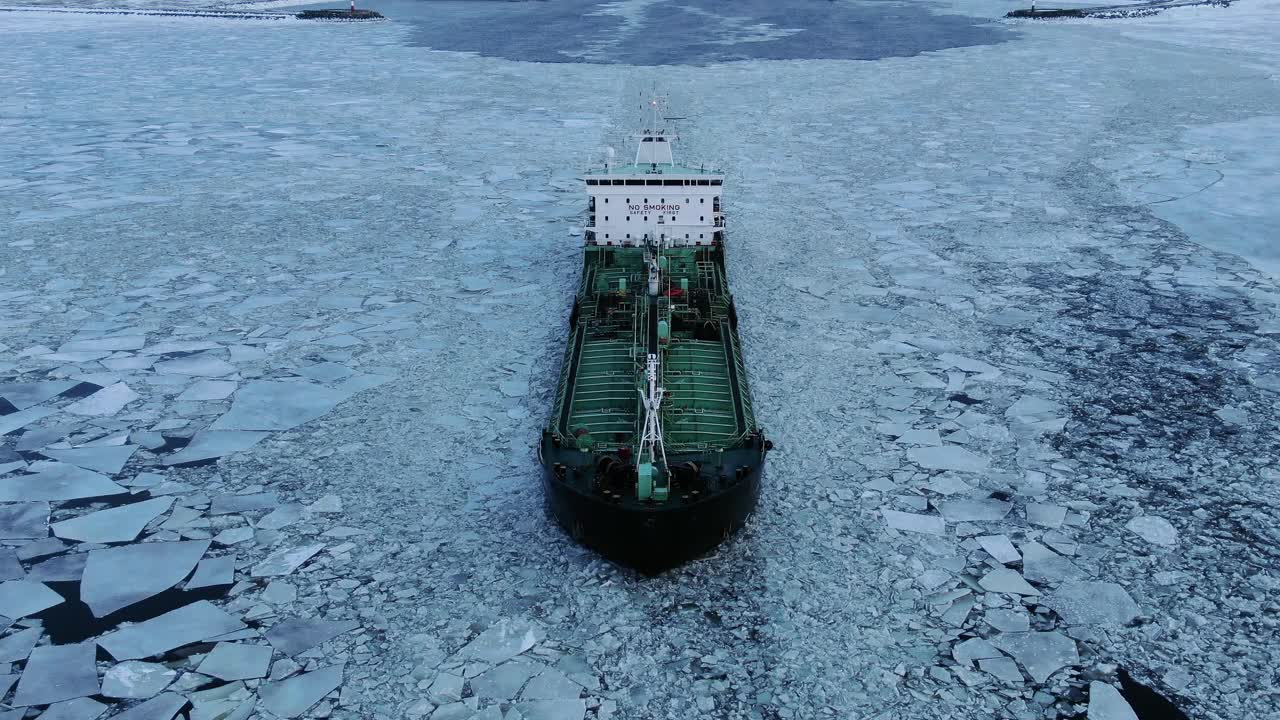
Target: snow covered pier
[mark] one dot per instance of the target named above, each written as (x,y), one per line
(334,14)
(1110,11)
(223,14)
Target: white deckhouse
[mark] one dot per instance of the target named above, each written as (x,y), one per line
(654,199)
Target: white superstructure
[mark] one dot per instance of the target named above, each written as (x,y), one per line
(653,198)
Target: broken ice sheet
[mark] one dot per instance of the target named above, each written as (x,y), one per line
(211,444)
(161,707)
(77,709)
(1005,620)
(17,647)
(58,672)
(107,401)
(56,481)
(552,709)
(947,457)
(1040,653)
(208,390)
(505,680)
(151,568)
(236,661)
(277,405)
(188,624)
(290,698)
(1092,603)
(212,572)
(999,547)
(503,640)
(137,679)
(114,525)
(103,459)
(22,418)
(985,510)
(911,522)
(1004,580)
(285,560)
(24,520)
(24,395)
(1154,529)
(1106,703)
(20,598)
(298,635)
(206,364)
(227,504)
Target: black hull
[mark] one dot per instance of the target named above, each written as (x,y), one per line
(652,540)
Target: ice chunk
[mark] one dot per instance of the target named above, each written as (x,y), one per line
(161,707)
(24,395)
(290,698)
(285,560)
(202,365)
(552,684)
(24,520)
(1092,603)
(947,457)
(137,679)
(553,709)
(447,688)
(281,517)
(1106,703)
(295,636)
(114,343)
(56,481)
(82,708)
(115,525)
(1002,667)
(208,390)
(58,672)
(61,568)
(227,504)
(276,405)
(22,418)
(973,649)
(1004,620)
(920,437)
(10,568)
(911,522)
(1004,580)
(504,681)
(255,302)
(999,547)
(1041,654)
(279,592)
(188,624)
(503,640)
(234,535)
(17,647)
(210,444)
(151,568)
(107,401)
(212,572)
(1050,516)
(325,372)
(1042,564)
(236,661)
(1155,530)
(20,598)
(985,510)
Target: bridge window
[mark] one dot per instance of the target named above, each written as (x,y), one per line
(702,200)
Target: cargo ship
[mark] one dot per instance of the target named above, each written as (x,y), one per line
(652,455)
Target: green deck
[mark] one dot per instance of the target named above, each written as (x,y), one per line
(707,404)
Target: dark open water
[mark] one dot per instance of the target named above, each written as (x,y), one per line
(684,32)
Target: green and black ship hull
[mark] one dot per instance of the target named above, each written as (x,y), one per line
(709,479)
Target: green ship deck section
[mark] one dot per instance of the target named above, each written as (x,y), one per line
(707,404)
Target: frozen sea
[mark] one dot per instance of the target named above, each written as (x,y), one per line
(282,305)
